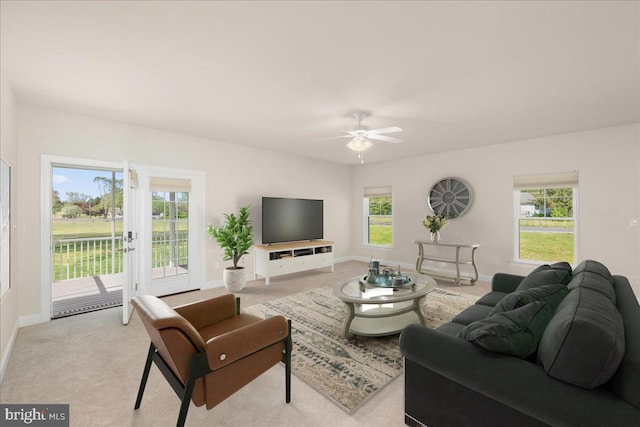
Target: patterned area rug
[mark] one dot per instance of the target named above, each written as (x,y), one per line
(349,372)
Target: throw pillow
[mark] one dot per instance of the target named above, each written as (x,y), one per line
(559,272)
(516,332)
(551,294)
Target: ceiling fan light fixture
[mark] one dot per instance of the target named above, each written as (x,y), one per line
(359,144)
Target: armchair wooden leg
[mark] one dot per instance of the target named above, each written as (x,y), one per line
(145,375)
(287,363)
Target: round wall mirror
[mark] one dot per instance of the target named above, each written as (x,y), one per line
(450,197)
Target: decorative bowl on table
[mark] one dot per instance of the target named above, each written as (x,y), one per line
(385,281)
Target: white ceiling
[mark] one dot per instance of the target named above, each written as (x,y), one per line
(287,76)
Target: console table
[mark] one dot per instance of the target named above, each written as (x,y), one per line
(453,257)
(285,258)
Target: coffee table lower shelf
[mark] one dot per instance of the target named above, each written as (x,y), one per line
(381,321)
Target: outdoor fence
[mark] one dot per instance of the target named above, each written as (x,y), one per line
(87,257)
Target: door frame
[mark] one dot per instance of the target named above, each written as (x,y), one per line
(196,239)
(130,222)
(46,265)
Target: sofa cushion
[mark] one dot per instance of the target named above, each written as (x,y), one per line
(471,314)
(551,294)
(451,328)
(516,332)
(584,342)
(492,298)
(626,381)
(595,276)
(559,272)
(594,267)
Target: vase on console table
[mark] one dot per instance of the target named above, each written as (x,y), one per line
(434,223)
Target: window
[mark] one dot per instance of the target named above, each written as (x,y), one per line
(546,221)
(378,218)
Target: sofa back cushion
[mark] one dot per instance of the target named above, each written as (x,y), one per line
(559,272)
(584,342)
(595,276)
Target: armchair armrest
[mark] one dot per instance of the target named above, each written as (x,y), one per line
(504,282)
(208,311)
(517,383)
(227,348)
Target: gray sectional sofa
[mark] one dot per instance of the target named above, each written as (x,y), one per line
(557,347)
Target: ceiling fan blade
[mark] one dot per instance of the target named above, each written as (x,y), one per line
(384,138)
(335,137)
(384,130)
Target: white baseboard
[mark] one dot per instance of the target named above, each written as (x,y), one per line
(403,266)
(213,284)
(7,351)
(32,319)
(385,262)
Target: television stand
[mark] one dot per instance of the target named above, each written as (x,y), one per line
(285,258)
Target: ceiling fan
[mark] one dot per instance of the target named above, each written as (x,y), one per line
(361,135)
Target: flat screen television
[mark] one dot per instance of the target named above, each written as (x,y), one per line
(291,220)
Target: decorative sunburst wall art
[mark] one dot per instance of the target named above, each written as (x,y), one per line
(450,197)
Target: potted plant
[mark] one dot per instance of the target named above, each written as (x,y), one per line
(235,237)
(434,223)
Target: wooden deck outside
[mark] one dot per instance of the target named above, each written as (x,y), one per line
(77,296)
(86,294)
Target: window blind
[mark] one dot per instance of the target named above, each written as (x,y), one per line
(377,191)
(554,180)
(174,185)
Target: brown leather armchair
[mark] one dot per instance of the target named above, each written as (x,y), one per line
(208,350)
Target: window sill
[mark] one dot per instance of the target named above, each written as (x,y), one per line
(527,262)
(370,246)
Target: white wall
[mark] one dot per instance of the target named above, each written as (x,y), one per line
(8,152)
(235,176)
(608,161)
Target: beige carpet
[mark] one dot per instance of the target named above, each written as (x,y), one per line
(94,363)
(349,372)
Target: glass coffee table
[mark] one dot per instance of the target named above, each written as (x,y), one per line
(380,310)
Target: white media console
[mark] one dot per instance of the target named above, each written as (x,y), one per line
(284,258)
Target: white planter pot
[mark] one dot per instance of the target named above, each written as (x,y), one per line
(234,280)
